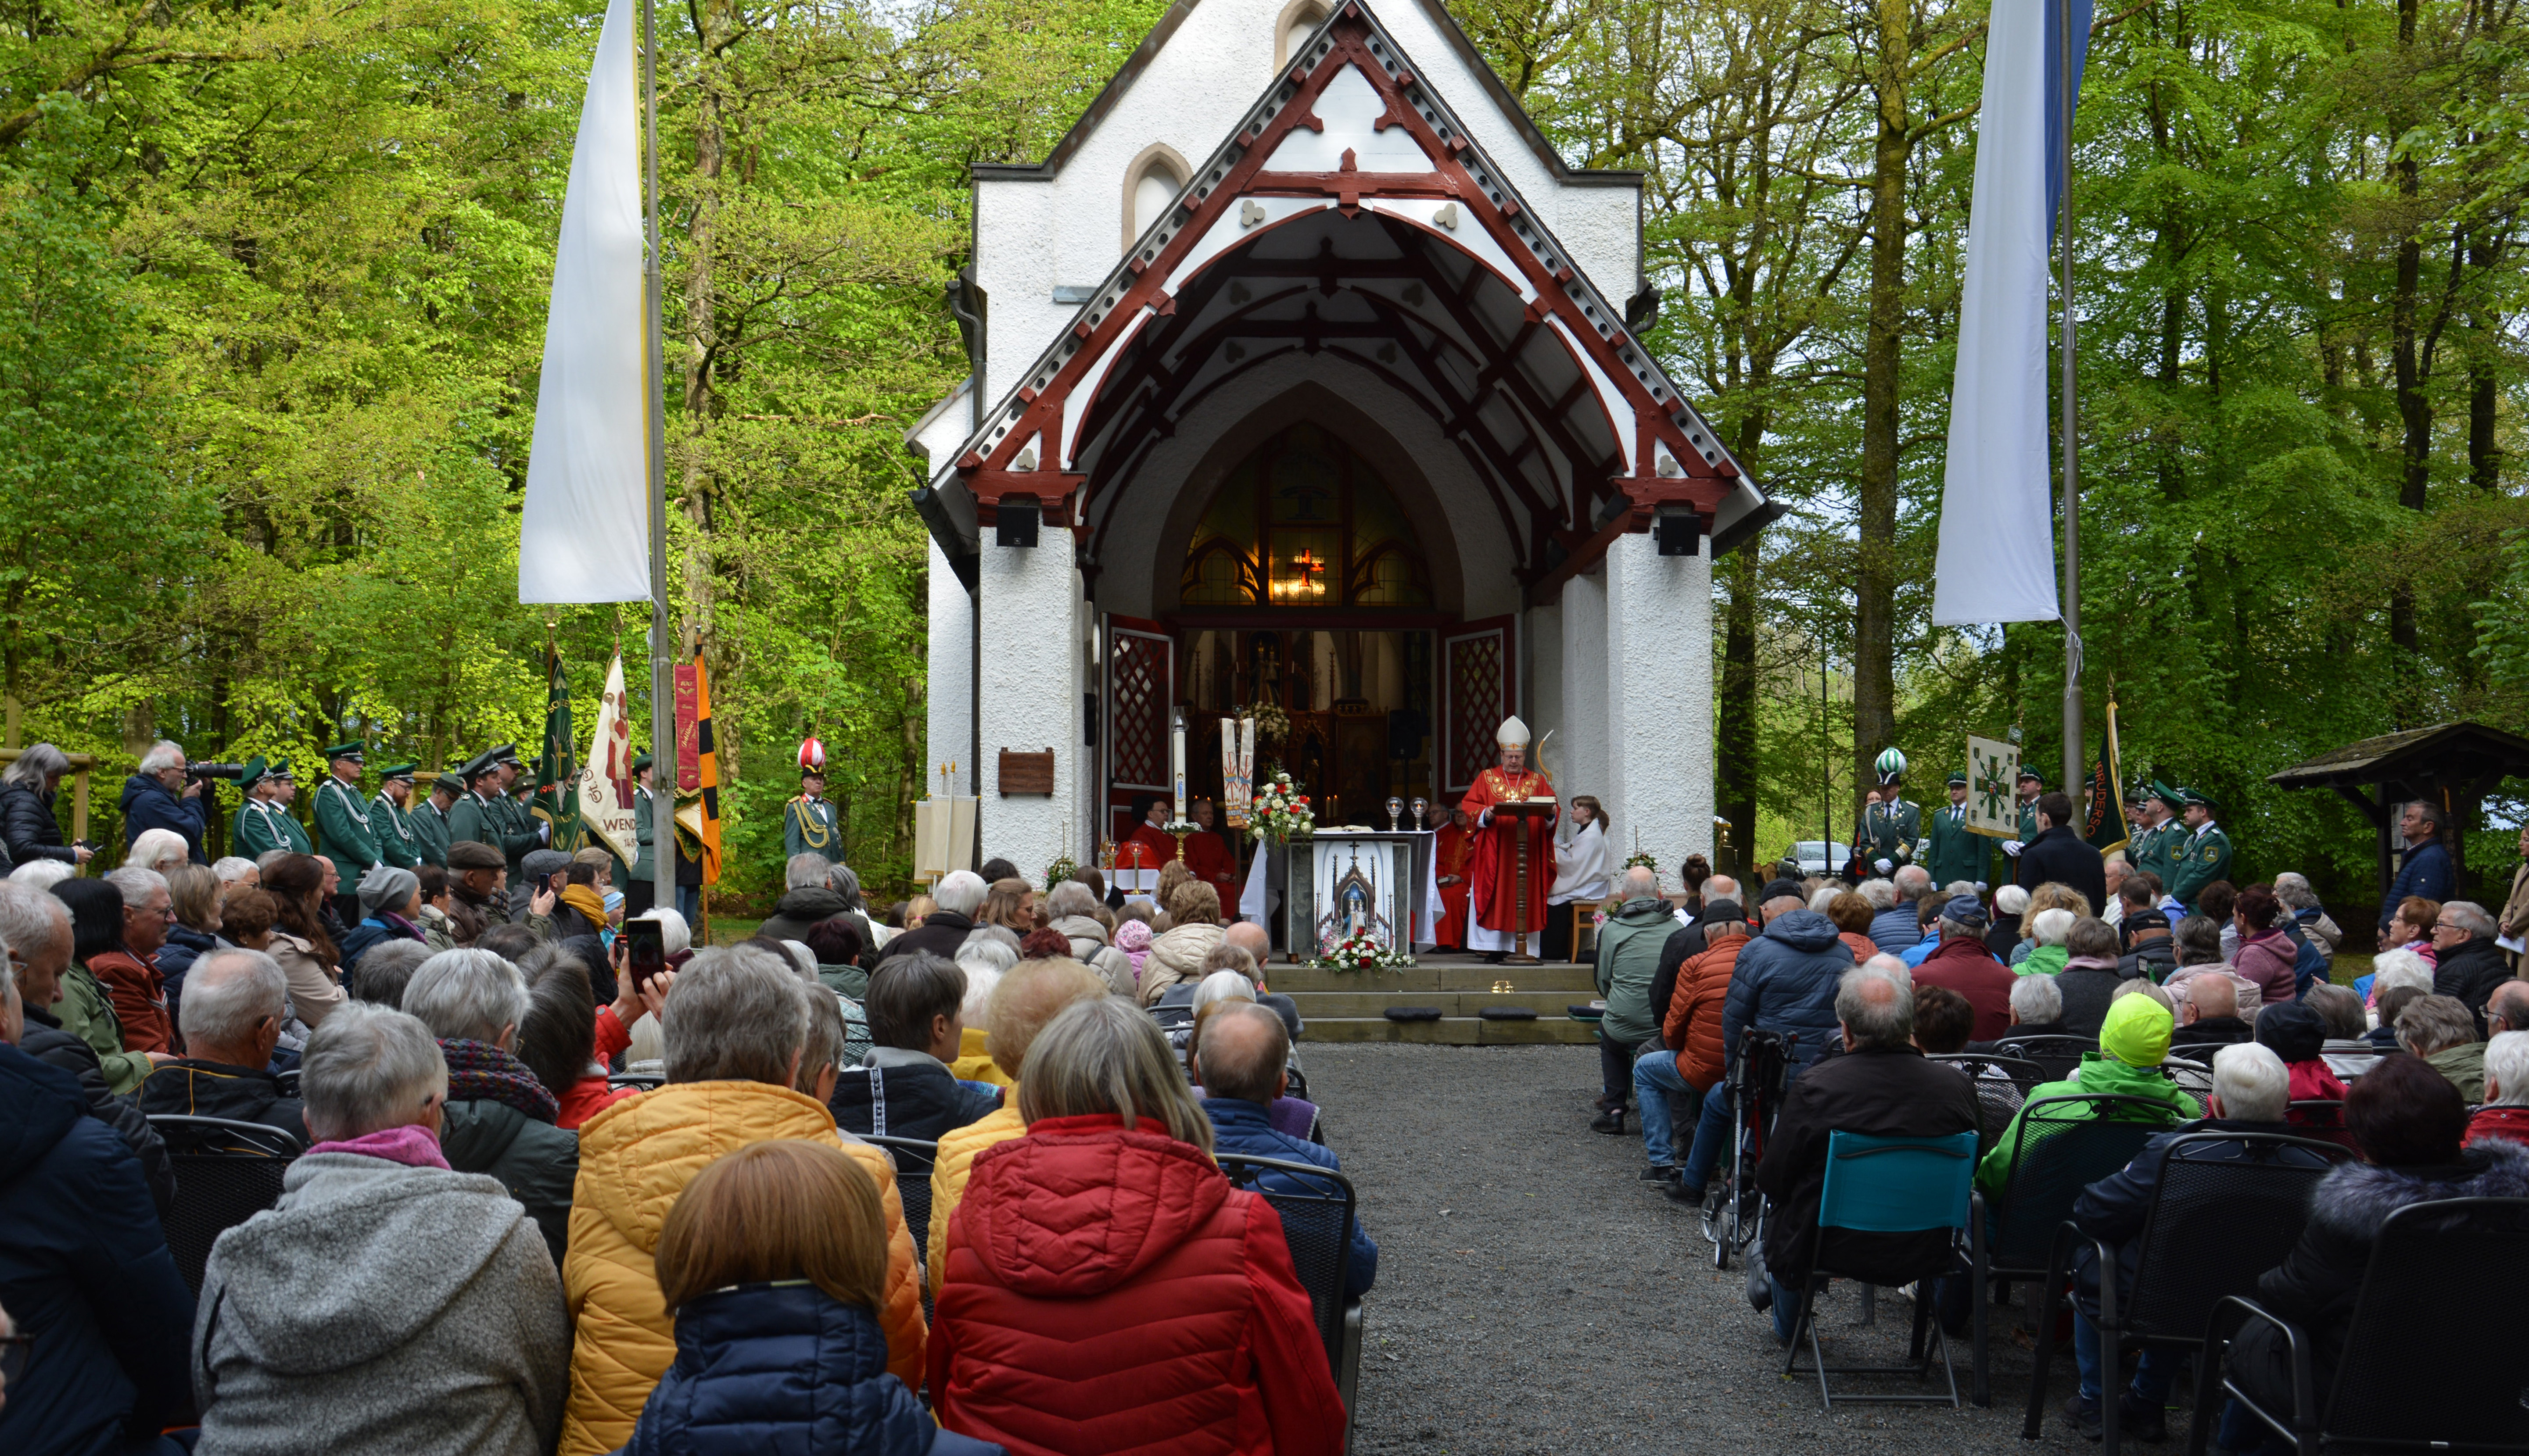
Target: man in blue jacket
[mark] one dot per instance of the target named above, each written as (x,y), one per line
(160,796)
(83,1268)
(2426,869)
(1240,1064)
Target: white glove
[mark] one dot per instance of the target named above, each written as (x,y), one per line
(1882,865)
(544,831)
(2011,846)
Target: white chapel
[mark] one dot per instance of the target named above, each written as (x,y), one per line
(1303,374)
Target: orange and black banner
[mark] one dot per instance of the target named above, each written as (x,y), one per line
(707,772)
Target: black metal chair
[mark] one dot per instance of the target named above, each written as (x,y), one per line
(2001,1084)
(2431,1361)
(914,1160)
(640,1081)
(1316,1208)
(227,1172)
(2062,1145)
(2227,1208)
(2055,1055)
(2323,1118)
(2192,1077)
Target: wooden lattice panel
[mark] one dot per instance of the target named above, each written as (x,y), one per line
(1477,704)
(1137,705)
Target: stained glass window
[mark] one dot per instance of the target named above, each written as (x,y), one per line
(1304,522)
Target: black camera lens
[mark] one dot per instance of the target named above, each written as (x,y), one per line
(200,771)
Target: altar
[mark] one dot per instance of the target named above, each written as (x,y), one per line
(1324,887)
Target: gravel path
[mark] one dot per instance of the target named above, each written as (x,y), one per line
(1532,1297)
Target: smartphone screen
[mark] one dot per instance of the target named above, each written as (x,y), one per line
(649,952)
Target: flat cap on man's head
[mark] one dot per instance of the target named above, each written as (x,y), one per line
(541,862)
(1967,909)
(468,853)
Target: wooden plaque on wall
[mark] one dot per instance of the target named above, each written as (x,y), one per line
(1026,773)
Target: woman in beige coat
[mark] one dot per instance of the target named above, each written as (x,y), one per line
(307,955)
(2516,911)
(1193,934)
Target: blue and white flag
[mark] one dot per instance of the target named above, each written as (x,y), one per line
(1997,554)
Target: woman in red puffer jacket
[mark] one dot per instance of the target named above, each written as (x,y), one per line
(1107,1289)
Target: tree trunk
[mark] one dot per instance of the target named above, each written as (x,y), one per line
(2414,411)
(1736,758)
(1874,675)
(702,359)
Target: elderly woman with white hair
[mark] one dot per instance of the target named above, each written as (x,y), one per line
(1072,908)
(501,1120)
(26,823)
(161,850)
(291,1354)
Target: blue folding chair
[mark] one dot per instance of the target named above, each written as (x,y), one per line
(1892,1185)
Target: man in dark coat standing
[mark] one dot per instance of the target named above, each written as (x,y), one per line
(2426,868)
(2059,855)
(1880,1087)
(160,796)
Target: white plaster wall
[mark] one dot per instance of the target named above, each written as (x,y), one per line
(1659,697)
(1541,633)
(951,678)
(1032,236)
(1583,730)
(1030,694)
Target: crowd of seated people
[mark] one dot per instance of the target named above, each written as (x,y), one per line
(493,1241)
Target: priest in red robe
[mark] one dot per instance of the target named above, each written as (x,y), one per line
(1452,849)
(1149,847)
(1209,855)
(1495,878)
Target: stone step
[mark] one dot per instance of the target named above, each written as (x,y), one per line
(1453,1032)
(1334,1004)
(1425,979)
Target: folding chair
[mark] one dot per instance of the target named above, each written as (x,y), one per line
(2063,1144)
(2229,1206)
(1317,1208)
(1891,1185)
(914,1160)
(1733,1211)
(640,1081)
(2431,1360)
(2054,1055)
(227,1172)
(2195,1078)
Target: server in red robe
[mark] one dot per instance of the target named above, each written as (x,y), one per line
(1494,880)
(1209,855)
(1452,848)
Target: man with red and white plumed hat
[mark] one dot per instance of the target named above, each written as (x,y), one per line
(808,824)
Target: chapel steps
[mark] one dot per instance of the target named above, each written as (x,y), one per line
(1350,1006)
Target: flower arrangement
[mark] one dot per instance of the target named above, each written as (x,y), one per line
(1359,951)
(1059,870)
(1280,812)
(1272,724)
(1641,856)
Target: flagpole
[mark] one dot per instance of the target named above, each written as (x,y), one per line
(663,691)
(2073,767)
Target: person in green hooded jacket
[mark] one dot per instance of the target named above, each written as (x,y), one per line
(2132,1041)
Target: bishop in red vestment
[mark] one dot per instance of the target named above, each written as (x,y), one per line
(1494,877)
(1209,855)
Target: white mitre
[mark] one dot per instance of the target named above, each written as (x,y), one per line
(1513,733)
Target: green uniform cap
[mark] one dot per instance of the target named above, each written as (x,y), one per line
(640,762)
(279,770)
(2190,797)
(355,751)
(404,771)
(477,767)
(2031,776)
(252,772)
(1957,780)
(2176,799)
(507,752)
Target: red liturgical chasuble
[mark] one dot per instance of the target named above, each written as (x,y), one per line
(1494,865)
(1452,850)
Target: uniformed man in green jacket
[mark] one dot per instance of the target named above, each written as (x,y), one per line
(520,830)
(1891,827)
(2204,855)
(343,832)
(807,821)
(430,836)
(397,845)
(477,815)
(2153,846)
(264,822)
(1957,852)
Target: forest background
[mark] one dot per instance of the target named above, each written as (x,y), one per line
(273,299)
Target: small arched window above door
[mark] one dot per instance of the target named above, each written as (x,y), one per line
(1151,188)
(1299,21)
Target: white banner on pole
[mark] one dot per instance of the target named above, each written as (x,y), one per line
(607,804)
(1997,552)
(584,533)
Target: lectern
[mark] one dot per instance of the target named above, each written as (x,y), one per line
(1528,813)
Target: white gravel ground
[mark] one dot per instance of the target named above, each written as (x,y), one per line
(1533,1297)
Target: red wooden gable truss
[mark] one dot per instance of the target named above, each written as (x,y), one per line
(1108,389)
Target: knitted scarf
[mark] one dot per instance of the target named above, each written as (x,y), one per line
(585,899)
(480,1071)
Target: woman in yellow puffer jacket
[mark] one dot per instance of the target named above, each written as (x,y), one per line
(727,1013)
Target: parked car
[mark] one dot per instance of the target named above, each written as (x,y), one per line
(1818,856)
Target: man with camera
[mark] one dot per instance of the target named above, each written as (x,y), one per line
(166,794)
(264,822)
